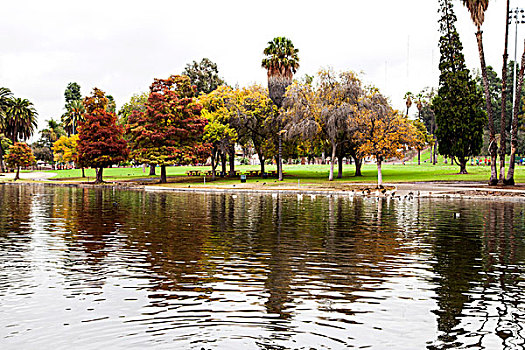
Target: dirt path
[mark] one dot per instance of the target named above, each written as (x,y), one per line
(34,175)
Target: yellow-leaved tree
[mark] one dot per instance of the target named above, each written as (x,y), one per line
(218,108)
(383,132)
(65,150)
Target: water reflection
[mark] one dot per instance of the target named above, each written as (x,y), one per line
(101,268)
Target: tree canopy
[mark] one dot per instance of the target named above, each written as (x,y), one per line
(458,105)
(204,75)
(170,130)
(19,155)
(100,141)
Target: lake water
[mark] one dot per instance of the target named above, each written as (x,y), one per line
(105,269)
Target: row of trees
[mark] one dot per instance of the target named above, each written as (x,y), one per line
(477,10)
(456,114)
(18,120)
(175,127)
(188,118)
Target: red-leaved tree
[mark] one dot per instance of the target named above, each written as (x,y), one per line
(100,141)
(19,155)
(170,130)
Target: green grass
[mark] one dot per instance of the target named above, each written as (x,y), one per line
(410,172)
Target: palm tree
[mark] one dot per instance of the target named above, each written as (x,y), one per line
(74,113)
(514,129)
(408,100)
(281,62)
(503,132)
(53,132)
(5,98)
(21,119)
(477,10)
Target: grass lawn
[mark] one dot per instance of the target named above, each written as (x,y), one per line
(315,174)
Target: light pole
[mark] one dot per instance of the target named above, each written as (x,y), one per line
(518,16)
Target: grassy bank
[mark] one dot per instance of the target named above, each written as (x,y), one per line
(315,174)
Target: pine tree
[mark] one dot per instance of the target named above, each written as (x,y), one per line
(458,105)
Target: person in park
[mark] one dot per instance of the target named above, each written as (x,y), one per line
(19,155)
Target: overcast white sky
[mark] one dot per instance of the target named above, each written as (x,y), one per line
(120,46)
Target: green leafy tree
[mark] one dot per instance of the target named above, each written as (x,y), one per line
(137,102)
(19,155)
(458,105)
(255,112)
(100,141)
(281,62)
(72,93)
(204,75)
(170,130)
(74,108)
(112,105)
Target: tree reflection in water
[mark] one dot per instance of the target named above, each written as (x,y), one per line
(269,272)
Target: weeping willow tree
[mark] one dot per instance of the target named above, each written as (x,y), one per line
(322,112)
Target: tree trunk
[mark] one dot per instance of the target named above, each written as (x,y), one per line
(223,164)
(152,169)
(232,160)
(277,85)
(332,158)
(463,165)
(340,167)
(280,157)
(379,173)
(418,156)
(83,173)
(2,168)
(17,176)
(493,147)
(98,178)
(261,158)
(213,164)
(358,162)
(163,178)
(503,126)
(514,129)
(434,152)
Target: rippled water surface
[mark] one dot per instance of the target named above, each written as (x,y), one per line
(103,269)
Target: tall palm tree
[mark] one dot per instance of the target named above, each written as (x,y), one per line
(21,119)
(5,98)
(74,113)
(514,129)
(503,129)
(281,62)
(477,10)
